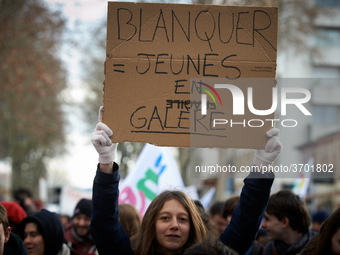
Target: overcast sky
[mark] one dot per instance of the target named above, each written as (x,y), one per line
(79,163)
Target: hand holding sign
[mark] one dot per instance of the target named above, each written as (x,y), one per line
(272,150)
(102,142)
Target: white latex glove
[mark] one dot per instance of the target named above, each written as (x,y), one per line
(102,142)
(272,150)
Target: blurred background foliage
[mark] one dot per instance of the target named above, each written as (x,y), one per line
(32,78)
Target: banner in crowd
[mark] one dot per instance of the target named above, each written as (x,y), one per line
(69,198)
(154,171)
(301,184)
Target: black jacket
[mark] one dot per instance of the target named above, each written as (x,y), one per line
(14,246)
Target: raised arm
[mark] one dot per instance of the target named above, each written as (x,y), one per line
(246,219)
(107,232)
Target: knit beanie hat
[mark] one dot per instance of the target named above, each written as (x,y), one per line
(50,227)
(84,206)
(15,212)
(319,216)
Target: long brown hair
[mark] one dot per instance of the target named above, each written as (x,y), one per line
(144,242)
(321,243)
(130,219)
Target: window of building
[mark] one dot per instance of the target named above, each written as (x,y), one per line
(327,37)
(324,114)
(328,3)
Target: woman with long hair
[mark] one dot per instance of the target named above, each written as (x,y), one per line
(327,240)
(172,222)
(177,223)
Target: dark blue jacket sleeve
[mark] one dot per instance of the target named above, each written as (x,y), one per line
(246,219)
(107,232)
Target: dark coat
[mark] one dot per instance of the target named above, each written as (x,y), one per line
(109,235)
(14,246)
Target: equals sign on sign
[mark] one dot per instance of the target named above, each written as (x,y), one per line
(118,67)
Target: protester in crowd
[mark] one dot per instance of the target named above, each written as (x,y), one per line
(24,198)
(166,207)
(42,233)
(227,211)
(327,240)
(229,207)
(215,217)
(65,219)
(10,243)
(204,215)
(172,223)
(77,234)
(317,219)
(5,229)
(130,219)
(262,237)
(15,214)
(286,221)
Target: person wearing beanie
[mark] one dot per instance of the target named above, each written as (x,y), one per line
(15,214)
(317,219)
(42,234)
(23,197)
(77,234)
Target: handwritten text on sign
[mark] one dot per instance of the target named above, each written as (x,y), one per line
(153,50)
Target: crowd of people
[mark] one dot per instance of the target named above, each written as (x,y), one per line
(255,222)
(38,231)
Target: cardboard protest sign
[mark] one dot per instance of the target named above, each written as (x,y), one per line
(160,59)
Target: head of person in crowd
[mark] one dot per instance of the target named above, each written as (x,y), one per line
(262,236)
(327,240)
(5,229)
(9,243)
(82,217)
(172,215)
(229,207)
(204,215)
(42,233)
(77,232)
(65,219)
(130,219)
(317,219)
(15,214)
(287,222)
(285,211)
(210,246)
(24,198)
(218,222)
